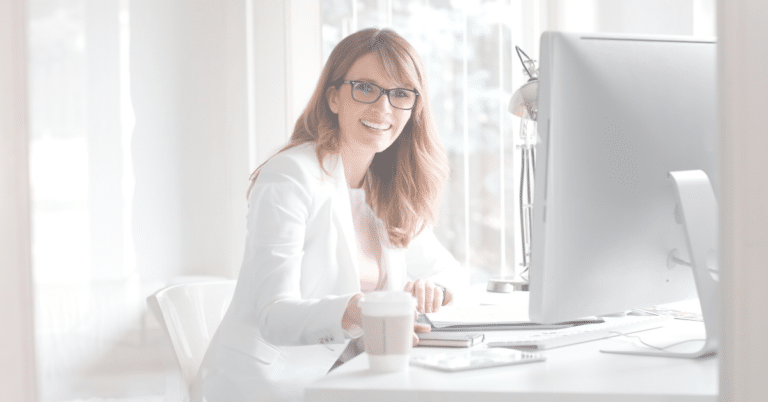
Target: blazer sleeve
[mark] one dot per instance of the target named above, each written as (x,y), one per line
(427,258)
(279,206)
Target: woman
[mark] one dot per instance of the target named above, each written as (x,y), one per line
(345,208)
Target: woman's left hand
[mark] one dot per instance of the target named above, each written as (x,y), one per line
(429,296)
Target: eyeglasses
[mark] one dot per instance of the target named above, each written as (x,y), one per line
(399,98)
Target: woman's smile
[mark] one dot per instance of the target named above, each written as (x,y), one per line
(376,126)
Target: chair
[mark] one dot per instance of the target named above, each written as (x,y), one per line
(191,313)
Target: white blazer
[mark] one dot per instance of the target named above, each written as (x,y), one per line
(283,328)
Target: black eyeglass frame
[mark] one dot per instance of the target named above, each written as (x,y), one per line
(381,92)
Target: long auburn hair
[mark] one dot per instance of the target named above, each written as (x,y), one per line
(404,182)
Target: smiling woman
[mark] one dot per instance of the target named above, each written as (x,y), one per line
(407,198)
(365,143)
(368,123)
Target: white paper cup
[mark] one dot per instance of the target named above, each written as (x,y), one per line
(388,329)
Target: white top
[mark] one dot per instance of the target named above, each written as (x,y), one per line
(368,242)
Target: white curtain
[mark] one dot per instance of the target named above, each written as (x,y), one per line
(743,85)
(17,363)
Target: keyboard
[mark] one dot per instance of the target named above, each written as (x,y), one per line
(540,340)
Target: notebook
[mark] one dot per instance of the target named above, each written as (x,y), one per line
(451,339)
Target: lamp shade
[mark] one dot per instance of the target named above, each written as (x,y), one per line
(525,101)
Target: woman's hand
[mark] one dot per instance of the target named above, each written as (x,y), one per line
(353,317)
(429,296)
(418,328)
(429,299)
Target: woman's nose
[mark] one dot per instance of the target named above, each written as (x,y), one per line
(383,103)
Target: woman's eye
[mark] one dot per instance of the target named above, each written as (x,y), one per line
(399,93)
(364,87)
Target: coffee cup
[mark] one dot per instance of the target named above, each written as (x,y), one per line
(388,329)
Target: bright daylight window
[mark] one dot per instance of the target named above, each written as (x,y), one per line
(468,52)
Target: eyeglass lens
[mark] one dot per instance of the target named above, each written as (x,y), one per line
(398,97)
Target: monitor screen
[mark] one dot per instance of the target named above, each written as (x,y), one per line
(617,114)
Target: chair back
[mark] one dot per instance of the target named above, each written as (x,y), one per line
(191,313)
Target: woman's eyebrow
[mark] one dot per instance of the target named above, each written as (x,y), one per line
(369,80)
(374,81)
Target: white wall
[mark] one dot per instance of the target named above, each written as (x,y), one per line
(216,88)
(104,141)
(743,85)
(190,145)
(285,54)
(17,365)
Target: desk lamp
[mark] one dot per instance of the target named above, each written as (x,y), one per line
(525,105)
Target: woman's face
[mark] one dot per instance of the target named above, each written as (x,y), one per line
(367,126)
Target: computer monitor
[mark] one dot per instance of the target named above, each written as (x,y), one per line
(616,114)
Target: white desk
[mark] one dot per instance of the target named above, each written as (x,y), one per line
(571,373)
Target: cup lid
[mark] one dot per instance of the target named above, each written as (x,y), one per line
(387,303)
(388,297)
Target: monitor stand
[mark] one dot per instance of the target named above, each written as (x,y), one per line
(698,208)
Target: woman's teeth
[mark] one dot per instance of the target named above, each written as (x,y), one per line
(375,126)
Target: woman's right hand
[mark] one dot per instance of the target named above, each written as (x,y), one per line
(418,328)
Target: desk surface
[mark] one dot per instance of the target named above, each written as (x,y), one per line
(571,373)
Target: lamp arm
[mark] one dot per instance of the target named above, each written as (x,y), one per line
(525,66)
